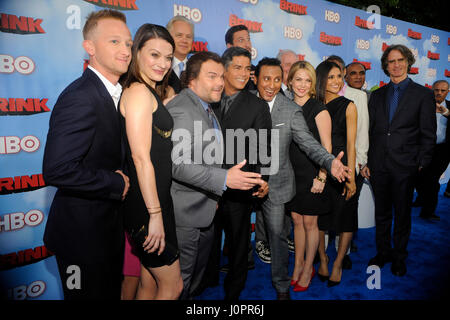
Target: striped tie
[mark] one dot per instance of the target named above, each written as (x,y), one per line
(211,117)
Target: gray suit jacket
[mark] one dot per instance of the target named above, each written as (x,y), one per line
(288,118)
(196,185)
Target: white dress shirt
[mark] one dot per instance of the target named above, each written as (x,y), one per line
(176,62)
(359,98)
(114,90)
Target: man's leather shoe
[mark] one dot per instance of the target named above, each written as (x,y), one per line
(225,268)
(398,268)
(283,296)
(379,260)
(432,217)
(417,203)
(346,263)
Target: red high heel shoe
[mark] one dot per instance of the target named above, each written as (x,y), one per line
(294,282)
(299,288)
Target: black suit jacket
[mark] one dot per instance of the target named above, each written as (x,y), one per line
(408,141)
(246,112)
(447,131)
(174,81)
(82,152)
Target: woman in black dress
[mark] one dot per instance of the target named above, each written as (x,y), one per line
(311,198)
(147,129)
(342,220)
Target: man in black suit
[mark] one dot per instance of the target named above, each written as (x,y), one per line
(182,32)
(402,136)
(242,115)
(83,158)
(239,36)
(428,180)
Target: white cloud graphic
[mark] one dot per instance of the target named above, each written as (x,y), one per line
(428,45)
(40,199)
(272,30)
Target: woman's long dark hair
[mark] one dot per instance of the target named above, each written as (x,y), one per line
(146,32)
(322,71)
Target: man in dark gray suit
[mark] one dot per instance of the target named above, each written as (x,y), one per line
(199,179)
(288,118)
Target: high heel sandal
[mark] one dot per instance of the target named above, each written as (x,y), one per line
(332,283)
(299,288)
(322,277)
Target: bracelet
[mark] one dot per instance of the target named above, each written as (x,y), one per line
(321,179)
(154,210)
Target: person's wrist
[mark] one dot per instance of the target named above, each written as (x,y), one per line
(318,178)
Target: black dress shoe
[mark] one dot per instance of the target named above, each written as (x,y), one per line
(432,217)
(225,268)
(379,260)
(283,296)
(346,262)
(417,203)
(398,268)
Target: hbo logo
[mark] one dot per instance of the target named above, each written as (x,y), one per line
(332,16)
(22,64)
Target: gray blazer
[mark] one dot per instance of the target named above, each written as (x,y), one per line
(288,118)
(196,186)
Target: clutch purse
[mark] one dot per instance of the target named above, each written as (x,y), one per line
(167,257)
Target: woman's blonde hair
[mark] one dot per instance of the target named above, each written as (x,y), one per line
(312,74)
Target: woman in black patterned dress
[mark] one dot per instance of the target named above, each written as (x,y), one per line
(147,127)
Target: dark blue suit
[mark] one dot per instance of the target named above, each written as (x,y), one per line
(397,150)
(83,150)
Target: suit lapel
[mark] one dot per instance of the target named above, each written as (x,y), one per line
(384,103)
(199,108)
(174,81)
(276,105)
(101,89)
(239,100)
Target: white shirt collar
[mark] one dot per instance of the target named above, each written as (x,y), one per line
(114,90)
(176,62)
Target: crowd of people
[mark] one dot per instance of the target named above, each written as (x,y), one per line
(148,174)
